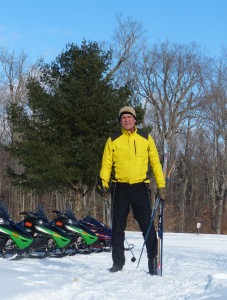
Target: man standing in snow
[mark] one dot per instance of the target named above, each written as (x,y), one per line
(126,157)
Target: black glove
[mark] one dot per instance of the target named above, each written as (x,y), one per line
(103,190)
(161,193)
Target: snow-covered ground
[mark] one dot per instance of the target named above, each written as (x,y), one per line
(195,267)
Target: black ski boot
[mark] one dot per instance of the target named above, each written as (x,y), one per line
(115,269)
(152,266)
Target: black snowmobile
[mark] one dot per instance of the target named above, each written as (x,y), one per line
(47,238)
(14,240)
(102,231)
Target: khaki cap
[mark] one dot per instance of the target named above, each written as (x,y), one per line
(127,110)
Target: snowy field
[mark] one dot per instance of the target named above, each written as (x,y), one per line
(195,267)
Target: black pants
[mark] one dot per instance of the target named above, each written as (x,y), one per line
(138,196)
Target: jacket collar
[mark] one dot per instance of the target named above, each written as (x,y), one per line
(128,132)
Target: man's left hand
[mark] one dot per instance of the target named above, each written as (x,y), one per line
(161,193)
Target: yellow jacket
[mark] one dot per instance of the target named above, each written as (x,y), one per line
(127,154)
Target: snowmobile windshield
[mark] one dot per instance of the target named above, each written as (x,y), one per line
(69,213)
(40,213)
(3,210)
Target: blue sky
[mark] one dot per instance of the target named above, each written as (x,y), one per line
(44,27)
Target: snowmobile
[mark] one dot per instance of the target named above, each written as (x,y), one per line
(102,231)
(47,238)
(14,240)
(81,237)
(87,239)
(104,234)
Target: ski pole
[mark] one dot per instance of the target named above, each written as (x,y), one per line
(108,212)
(148,230)
(170,171)
(161,214)
(160,235)
(133,259)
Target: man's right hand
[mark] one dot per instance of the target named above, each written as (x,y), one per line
(102,187)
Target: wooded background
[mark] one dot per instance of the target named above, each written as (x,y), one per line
(179,93)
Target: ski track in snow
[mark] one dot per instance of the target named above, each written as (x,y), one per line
(194,267)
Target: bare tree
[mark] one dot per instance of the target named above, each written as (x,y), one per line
(216,118)
(12,75)
(14,70)
(127,45)
(171,79)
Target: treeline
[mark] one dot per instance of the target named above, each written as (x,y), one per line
(56,118)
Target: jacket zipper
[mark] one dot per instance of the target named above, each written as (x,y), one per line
(135,146)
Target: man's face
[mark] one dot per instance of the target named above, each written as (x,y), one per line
(128,122)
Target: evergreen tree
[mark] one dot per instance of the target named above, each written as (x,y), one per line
(71,110)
